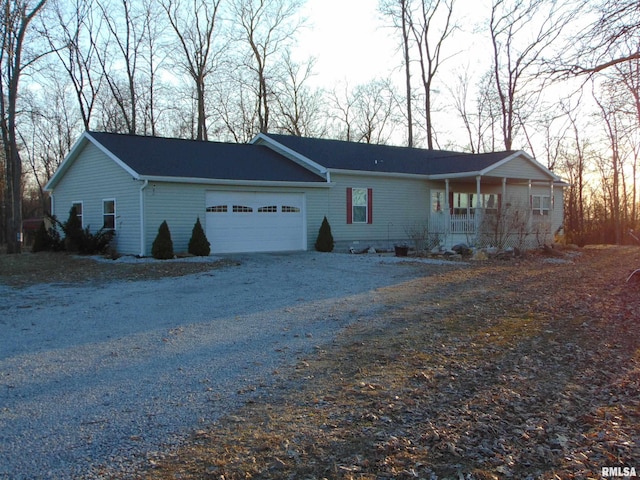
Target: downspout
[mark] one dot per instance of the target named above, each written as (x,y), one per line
(142,237)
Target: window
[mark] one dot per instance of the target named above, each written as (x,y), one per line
(359,205)
(268,209)
(242,209)
(289,209)
(466,203)
(437,201)
(461,203)
(78,206)
(217,209)
(540,204)
(359,196)
(109,214)
(490,201)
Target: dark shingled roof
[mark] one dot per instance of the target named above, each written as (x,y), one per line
(337,154)
(170,157)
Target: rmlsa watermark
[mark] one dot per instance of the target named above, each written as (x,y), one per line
(619,472)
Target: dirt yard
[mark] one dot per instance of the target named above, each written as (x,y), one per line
(522,368)
(507,369)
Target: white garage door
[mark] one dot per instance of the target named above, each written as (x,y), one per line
(255,222)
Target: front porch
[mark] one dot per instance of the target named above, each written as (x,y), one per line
(503,228)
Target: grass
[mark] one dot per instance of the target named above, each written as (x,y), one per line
(458,379)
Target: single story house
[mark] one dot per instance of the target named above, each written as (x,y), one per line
(272,193)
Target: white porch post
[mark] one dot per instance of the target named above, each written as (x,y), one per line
(551,202)
(530,203)
(504,190)
(479,210)
(447,218)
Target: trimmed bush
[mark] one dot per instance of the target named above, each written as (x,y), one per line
(198,244)
(162,247)
(324,242)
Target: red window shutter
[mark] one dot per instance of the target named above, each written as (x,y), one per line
(369,205)
(349,205)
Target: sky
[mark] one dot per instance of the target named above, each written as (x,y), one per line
(349,41)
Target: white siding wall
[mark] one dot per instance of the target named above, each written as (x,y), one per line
(92,178)
(181,204)
(398,204)
(519,168)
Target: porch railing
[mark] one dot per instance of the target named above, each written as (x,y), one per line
(443,223)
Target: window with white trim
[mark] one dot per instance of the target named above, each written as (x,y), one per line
(109,214)
(540,204)
(462,203)
(78,206)
(359,205)
(290,209)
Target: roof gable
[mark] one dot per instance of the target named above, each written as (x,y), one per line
(190,160)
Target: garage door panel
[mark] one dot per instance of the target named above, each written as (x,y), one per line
(255,221)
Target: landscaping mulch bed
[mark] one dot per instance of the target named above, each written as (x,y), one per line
(528,368)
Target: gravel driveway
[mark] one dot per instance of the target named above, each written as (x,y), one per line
(95,377)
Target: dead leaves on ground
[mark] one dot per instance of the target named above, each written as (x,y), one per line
(501,370)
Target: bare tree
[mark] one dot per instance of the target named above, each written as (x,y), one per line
(49,127)
(431,24)
(367,113)
(267,27)
(479,119)
(127,46)
(399,12)
(15,57)
(610,40)
(195,25)
(69,30)
(521,32)
(299,108)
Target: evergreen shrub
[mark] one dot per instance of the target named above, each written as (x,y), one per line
(46,239)
(198,244)
(324,242)
(73,232)
(162,247)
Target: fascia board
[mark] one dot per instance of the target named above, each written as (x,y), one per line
(529,158)
(262,139)
(245,183)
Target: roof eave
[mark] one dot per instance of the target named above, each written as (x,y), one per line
(342,171)
(222,181)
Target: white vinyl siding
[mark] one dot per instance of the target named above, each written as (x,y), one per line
(520,168)
(181,204)
(92,178)
(398,204)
